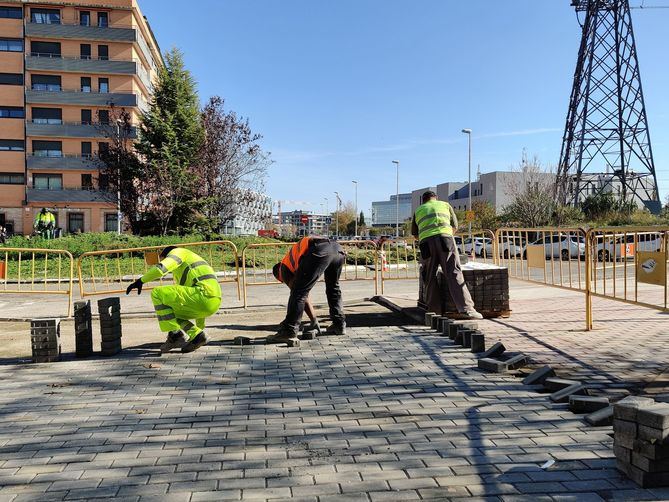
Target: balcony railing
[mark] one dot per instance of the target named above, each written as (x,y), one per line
(56,160)
(71,194)
(77,22)
(56,95)
(55,128)
(78,64)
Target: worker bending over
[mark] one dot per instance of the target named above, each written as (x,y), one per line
(302,266)
(434,223)
(45,223)
(182,308)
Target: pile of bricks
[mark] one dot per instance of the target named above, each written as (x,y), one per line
(110,325)
(489,289)
(83,329)
(641,440)
(45,340)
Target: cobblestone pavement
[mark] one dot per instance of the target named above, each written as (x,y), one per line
(386,413)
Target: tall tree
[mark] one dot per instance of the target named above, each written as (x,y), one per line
(171,136)
(231,163)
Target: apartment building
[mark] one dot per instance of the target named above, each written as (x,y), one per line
(63,64)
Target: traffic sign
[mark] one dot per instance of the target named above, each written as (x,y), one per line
(304,219)
(328,220)
(470,216)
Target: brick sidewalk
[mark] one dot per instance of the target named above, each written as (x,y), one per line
(387,413)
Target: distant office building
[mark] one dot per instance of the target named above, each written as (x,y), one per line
(251,215)
(446,190)
(305,222)
(384,212)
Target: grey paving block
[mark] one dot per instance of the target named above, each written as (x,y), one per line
(477,343)
(555,384)
(601,418)
(496,350)
(563,395)
(587,404)
(539,376)
(492,365)
(655,416)
(467,338)
(627,408)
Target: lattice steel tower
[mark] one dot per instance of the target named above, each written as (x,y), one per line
(606,145)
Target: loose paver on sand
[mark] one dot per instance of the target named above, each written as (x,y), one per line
(385,413)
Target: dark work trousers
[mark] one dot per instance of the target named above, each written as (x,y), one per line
(323,257)
(441,250)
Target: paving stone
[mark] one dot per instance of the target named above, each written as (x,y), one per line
(627,408)
(600,418)
(496,350)
(587,404)
(563,395)
(538,376)
(554,384)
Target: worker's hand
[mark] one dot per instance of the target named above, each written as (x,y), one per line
(138,284)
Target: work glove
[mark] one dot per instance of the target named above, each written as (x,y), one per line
(138,284)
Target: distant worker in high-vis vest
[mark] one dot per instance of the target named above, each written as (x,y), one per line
(182,308)
(45,223)
(302,266)
(434,223)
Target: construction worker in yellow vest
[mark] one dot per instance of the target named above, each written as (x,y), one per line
(45,223)
(182,308)
(434,223)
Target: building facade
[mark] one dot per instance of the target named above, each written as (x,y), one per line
(63,66)
(254,214)
(384,212)
(305,222)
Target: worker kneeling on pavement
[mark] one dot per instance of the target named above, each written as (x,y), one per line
(300,269)
(434,223)
(182,308)
(45,223)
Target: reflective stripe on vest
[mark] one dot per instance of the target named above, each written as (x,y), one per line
(292,259)
(433,218)
(193,271)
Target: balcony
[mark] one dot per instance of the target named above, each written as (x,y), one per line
(72,195)
(63,163)
(76,31)
(73,130)
(55,62)
(78,98)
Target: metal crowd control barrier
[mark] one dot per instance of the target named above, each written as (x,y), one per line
(398,260)
(478,245)
(109,272)
(29,271)
(259,259)
(627,264)
(551,256)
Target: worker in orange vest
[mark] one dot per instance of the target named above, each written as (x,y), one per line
(300,269)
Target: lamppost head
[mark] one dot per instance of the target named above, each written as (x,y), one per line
(396,162)
(467,131)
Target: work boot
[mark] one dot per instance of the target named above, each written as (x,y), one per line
(195,343)
(175,340)
(338,329)
(473,314)
(282,337)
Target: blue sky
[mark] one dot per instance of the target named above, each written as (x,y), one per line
(341,88)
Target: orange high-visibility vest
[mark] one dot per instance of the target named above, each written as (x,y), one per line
(292,259)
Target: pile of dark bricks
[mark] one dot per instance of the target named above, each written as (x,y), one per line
(45,340)
(489,289)
(83,329)
(110,325)
(641,440)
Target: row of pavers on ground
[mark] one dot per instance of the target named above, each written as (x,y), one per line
(640,425)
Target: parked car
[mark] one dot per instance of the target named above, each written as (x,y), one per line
(560,246)
(482,246)
(511,247)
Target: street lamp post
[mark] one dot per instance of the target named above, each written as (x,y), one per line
(468,132)
(356,207)
(337,213)
(397,201)
(327,215)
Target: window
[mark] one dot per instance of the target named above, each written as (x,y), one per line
(85,18)
(11,12)
(103,52)
(45,16)
(111,222)
(11,45)
(103,182)
(12,178)
(103,147)
(45,49)
(86,149)
(46,83)
(12,145)
(87,182)
(47,148)
(103,117)
(85,51)
(11,79)
(47,115)
(86,117)
(103,19)
(103,85)
(85,84)
(75,222)
(12,112)
(48,181)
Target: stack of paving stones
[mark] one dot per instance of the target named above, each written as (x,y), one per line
(45,340)
(489,289)
(110,325)
(641,440)
(83,329)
